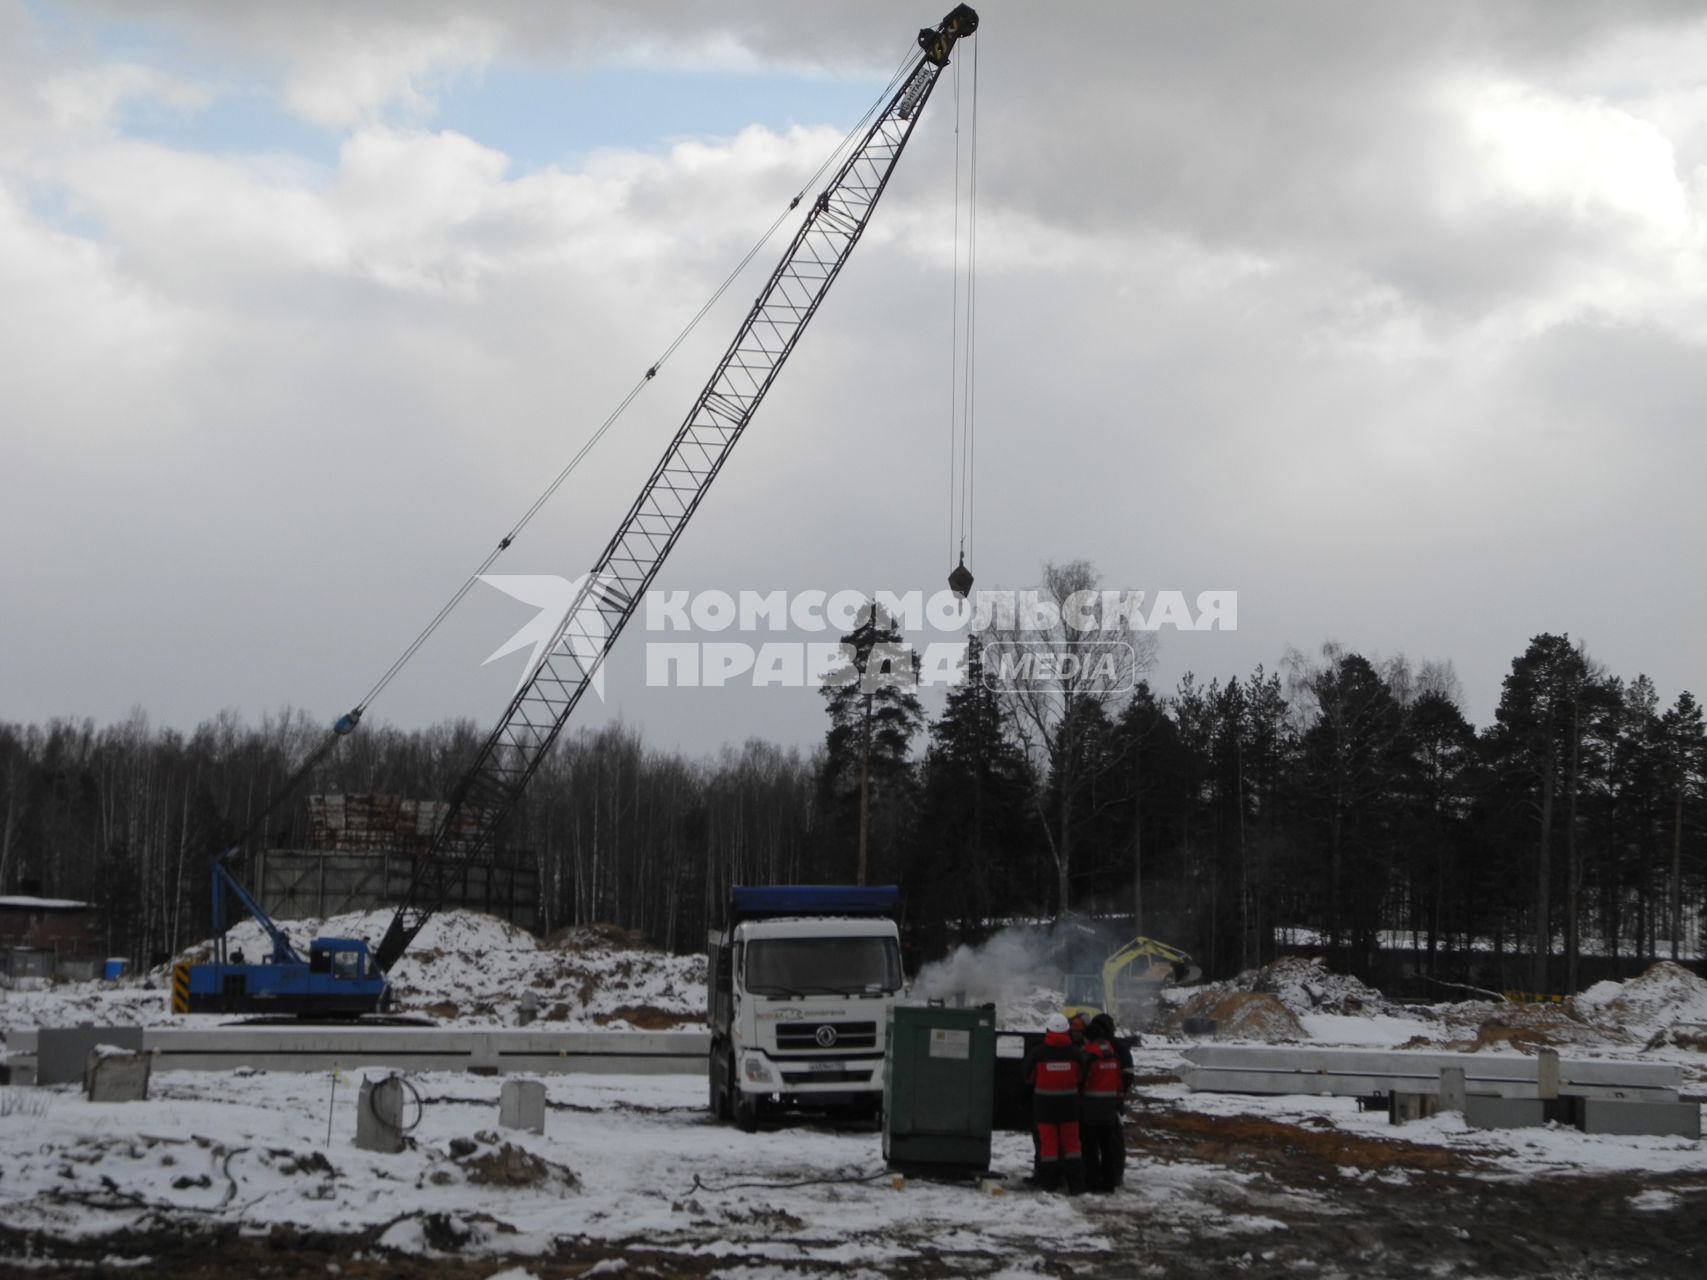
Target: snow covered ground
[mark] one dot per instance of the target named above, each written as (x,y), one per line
(646,1163)
(632,1176)
(633,1169)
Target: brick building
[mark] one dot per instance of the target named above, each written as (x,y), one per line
(48,937)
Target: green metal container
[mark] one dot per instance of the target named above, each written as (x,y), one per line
(938,1088)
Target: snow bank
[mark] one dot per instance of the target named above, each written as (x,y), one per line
(474,969)
(464,968)
(1648,1005)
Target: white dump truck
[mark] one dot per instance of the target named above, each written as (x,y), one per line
(799,983)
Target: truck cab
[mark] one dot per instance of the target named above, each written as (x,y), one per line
(799,985)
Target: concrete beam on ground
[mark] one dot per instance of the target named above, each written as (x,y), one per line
(1345,1085)
(1512,1066)
(1357,1072)
(494,1050)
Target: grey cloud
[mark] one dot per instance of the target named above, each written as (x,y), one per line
(271,468)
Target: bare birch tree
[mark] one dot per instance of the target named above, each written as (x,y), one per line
(1066,655)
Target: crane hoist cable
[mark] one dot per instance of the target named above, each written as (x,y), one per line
(962,412)
(970,505)
(954,332)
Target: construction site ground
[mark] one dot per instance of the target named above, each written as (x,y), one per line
(220,1175)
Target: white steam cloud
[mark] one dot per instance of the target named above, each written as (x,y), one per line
(1016,970)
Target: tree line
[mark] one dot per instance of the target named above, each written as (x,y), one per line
(1339,802)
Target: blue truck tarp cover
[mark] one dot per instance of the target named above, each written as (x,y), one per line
(748,902)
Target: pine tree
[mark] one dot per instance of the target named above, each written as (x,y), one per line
(1148,749)
(1267,752)
(976,829)
(1535,748)
(1349,753)
(867,780)
(1438,778)
(1684,742)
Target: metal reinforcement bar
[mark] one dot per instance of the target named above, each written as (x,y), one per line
(57,1055)
(1362,1073)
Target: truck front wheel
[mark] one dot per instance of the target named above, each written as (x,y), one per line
(722,1073)
(746,1108)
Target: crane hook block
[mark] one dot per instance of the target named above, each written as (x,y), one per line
(938,43)
(347,722)
(960,581)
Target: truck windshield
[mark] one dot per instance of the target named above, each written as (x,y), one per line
(822,966)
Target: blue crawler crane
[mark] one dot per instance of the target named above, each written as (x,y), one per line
(339,979)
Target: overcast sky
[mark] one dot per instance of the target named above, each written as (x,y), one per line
(1389,318)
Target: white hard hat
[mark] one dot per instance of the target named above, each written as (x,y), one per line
(1057,1022)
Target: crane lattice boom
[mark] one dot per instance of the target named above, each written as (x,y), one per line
(612,590)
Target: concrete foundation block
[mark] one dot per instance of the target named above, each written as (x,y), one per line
(379,1115)
(483,1055)
(1547,1073)
(1484,1112)
(62,1053)
(116,1075)
(1664,1119)
(1452,1089)
(1404,1107)
(521,1105)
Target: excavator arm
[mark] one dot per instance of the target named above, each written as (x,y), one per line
(1165,965)
(1137,971)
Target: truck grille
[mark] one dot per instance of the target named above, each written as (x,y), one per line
(849,1075)
(822,1036)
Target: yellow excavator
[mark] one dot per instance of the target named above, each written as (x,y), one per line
(1129,987)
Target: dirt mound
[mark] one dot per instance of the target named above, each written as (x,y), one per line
(511,1166)
(1510,1033)
(1685,1035)
(1298,986)
(1309,986)
(1240,1015)
(1648,1005)
(1484,1024)
(648,1017)
(584,937)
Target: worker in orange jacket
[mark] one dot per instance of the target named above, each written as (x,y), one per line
(1107,1078)
(1055,1071)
